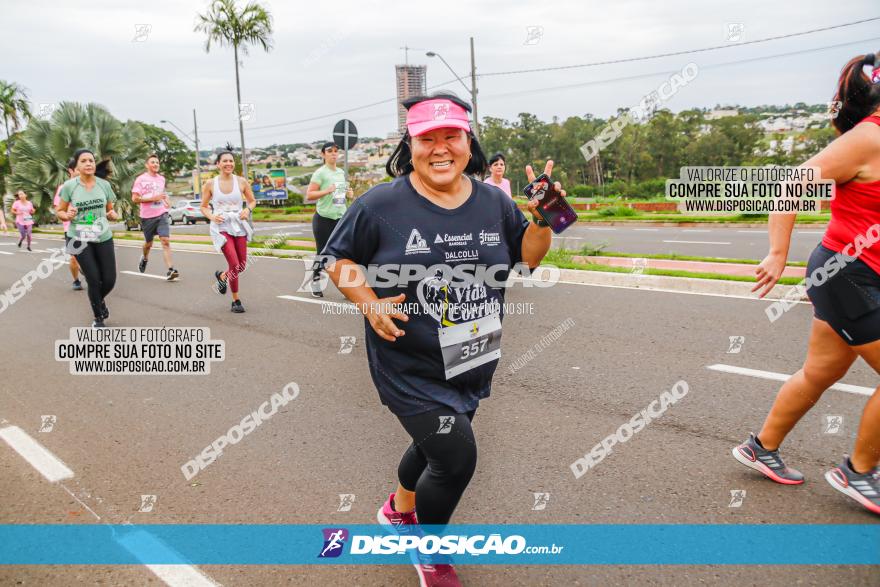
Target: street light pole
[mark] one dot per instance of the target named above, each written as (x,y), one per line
(198,182)
(474,91)
(471,90)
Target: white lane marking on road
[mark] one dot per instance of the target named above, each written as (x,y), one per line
(144,274)
(39,457)
(647,229)
(311,301)
(699,242)
(5,253)
(696,230)
(174,575)
(79,501)
(597,228)
(857,389)
(809,232)
(53,469)
(753,231)
(576,238)
(181,576)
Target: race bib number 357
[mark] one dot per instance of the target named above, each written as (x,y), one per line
(470,344)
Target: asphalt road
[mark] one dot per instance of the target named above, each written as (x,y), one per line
(713,241)
(127,436)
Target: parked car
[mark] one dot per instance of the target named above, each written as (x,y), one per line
(187,211)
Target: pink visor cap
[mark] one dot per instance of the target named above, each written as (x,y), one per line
(437,113)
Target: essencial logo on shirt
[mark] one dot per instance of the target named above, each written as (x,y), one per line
(334,540)
(490,239)
(455,240)
(416,244)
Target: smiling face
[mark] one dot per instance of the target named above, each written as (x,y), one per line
(153,165)
(440,156)
(227,163)
(85,164)
(21,195)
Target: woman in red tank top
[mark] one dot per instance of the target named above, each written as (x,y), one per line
(844,286)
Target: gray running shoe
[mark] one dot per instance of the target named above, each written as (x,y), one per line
(862,487)
(768,462)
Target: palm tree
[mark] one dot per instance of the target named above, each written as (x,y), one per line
(43,149)
(15,108)
(226,25)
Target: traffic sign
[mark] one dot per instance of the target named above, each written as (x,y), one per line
(345,134)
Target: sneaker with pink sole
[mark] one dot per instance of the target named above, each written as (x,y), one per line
(430,573)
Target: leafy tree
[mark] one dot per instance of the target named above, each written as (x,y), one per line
(15,110)
(42,151)
(174,156)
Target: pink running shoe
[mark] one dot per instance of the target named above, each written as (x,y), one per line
(435,575)
(403,523)
(430,574)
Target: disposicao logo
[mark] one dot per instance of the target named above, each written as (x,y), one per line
(334,541)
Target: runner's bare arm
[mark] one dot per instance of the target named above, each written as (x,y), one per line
(248,197)
(111,213)
(848,157)
(315,192)
(64,213)
(207,193)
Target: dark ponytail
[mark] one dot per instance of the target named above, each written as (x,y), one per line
(858,94)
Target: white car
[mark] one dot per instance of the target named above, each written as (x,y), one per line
(188,211)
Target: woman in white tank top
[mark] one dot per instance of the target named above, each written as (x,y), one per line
(230,230)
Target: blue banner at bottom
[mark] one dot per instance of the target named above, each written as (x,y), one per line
(265,544)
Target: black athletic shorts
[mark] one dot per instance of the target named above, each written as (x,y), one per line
(160,225)
(850,300)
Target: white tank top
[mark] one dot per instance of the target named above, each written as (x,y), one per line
(230,205)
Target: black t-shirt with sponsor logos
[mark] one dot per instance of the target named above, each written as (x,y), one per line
(445,257)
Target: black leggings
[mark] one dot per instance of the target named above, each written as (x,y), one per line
(322,229)
(97,261)
(440,462)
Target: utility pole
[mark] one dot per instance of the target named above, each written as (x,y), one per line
(474,91)
(198,182)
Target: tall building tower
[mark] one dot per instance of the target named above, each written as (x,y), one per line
(410,82)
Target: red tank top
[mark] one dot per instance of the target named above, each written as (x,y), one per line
(855,208)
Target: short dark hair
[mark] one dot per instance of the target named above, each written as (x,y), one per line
(152,156)
(497,157)
(328,145)
(79,153)
(400,162)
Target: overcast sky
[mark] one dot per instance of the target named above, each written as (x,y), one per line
(333,56)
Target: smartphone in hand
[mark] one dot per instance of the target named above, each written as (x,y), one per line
(551,205)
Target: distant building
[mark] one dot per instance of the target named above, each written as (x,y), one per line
(716,114)
(411,81)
